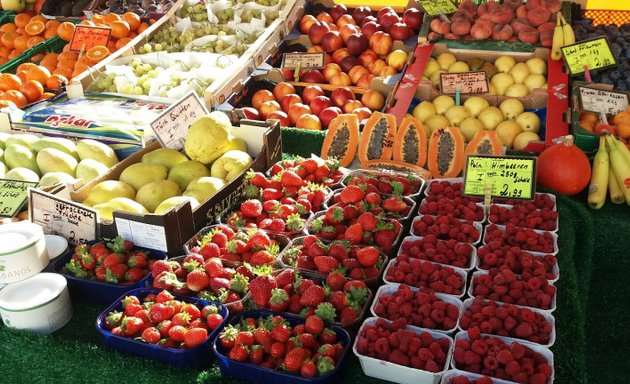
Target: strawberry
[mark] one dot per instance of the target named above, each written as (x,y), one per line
(251,208)
(348,315)
(367,221)
(214,320)
(131,326)
(325,264)
(113,319)
(262,336)
(239,353)
(280,333)
(356,284)
(115,274)
(135,274)
(338,299)
(328,336)
(289,178)
(325,365)
(197,280)
(336,279)
(312,296)
(261,288)
(257,179)
(354,233)
(279,300)
(160,312)
(194,337)
(309,369)
(228,336)
(285,277)
(314,325)
(244,338)
(384,238)
(294,359)
(334,215)
(368,256)
(256,354)
(352,194)
(151,335)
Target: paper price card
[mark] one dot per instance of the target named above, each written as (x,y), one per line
(466,82)
(86,37)
(173,124)
(303,60)
(76,223)
(437,7)
(509,177)
(13,195)
(595,54)
(600,101)
(141,234)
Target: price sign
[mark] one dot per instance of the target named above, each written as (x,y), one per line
(13,195)
(600,101)
(437,7)
(76,223)
(173,124)
(303,60)
(508,177)
(141,234)
(86,37)
(595,54)
(466,82)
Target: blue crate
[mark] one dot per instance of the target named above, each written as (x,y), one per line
(97,291)
(198,357)
(254,374)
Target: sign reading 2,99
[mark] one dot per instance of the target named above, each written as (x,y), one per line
(509,177)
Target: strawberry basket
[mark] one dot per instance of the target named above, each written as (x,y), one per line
(447,227)
(452,188)
(386,182)
(390,206)
(325,172)
(198,356)
(253,373)
(544,201)
(447,252)
(459,207)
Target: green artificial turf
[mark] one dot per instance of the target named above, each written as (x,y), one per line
(592,333)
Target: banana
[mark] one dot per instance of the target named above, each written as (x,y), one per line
(599,177)
(616,195)
(557,41)
(621,166)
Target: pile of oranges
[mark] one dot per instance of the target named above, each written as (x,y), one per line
(31,83)
(618,125)
(25,32)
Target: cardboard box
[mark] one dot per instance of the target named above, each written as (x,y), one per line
(170,231)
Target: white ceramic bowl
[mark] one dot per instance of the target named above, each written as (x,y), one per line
(23,251)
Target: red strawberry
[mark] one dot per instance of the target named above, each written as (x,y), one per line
(313,296)
(151,335)
(294,359)
(238,353)
(195,337)
(261,288)
(244,338)
(251,208)
(214,320)
(291,179)
(281,333)
(160,312)
(335,280)
(279,300)
(367,256)
(394,204)
(324,365)
(197,280)
(338,299)
(354,233)
(135,274)
(262,257)
(314,325)
(131,326)
(334,215)
(228,337)
(309,369)
(352,194)
(348,315)
(357,284)
(384,238)
(338,251)
(285,278)
(325,264)
(368,221)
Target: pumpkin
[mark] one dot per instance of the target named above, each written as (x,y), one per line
(563,168)
(377,138)
(341,139)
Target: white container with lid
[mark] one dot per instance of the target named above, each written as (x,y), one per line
(41,303)
(23,251)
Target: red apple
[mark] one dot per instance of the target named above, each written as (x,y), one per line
(317,31)
(260,97)
(399,31)
(369,28)
(319,104)
(250,113)
(267,107)
(332,41)
(360,13)
(345,19)
(357,43)
(288,100)
(388,19)
(348,63)
(372,99)
(328,114)
(365,80)
(280,115)
(310,92)
(351,105)
(380,42)
(341,95)
(363,113)
(367,19)
(347,30)
(325,17)
(413,18)
(337,11)
(356,72)
(306,22)
(311,76)
(309,121)
(282,88)
(383,11)
(340,54)
(297,110)
(367,57)
(329,70)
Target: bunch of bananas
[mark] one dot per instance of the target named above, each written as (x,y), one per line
(562,36)
(611,173)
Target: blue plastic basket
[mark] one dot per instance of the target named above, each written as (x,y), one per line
(98,291)
(254,374)
(198,357)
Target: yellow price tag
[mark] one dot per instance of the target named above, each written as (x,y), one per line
(510,177)
(594,54)
(13,195)
(437,7)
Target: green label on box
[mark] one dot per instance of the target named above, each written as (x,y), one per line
(505,177)
(594,54)
(437,7)
(13,195)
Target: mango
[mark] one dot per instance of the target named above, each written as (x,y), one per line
(175,201)
(54,160)
(92,149)
(107,190)
(4,136)
(25,139)
(23,174)
(187,171)
(140,174)
(203,188)
(89,169)
(106,210)
(154,193)
(166,156)
(52,178)
(64,145)
(20,156)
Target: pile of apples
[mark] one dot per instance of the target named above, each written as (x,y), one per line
(358,46)
(310,107)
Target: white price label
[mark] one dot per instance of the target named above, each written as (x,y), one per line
(141,234)
(600,101)
(173,124)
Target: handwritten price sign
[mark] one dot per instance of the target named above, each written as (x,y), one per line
(173,124)
(86,37)
(509,177)
(595,54)
(437,7)
(600,101)
(13,195)
(466,82)
(303,60)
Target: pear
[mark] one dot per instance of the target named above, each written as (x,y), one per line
(507,132)
(529,122)
(517,90)
(89,169)
(501,82)
(511,108)
(187,171)
(151,195)
(175,201)
(458,67)
(431,66)
(140,174)
(436,121)
(23,174)
(504,63)
(20,156)
(456,114)
(53,160)
(424,110)
(106,209)
(491,117)
(204,188)
(519,72)
(166,156)
(469,128)
(523,138)
(4,136)
(52,178)
(92,149)
(537,66)
(59,143)
(445,60)
(475,63)
(490,69)
(25,139)
(476,104)
(443,103)
(108,190)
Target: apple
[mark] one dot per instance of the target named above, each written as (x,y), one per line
(317,32)
(338,10)
(288,100)
(325,17)
(310,92)
(280,115)
(388,19)
(399,31)
(340,54)
(367,57)
(260,97)
(328,114)
(282,88)
(329,70)
(357,43)
(332,41)
(267,107)
(309,121)
(413,18)
(341,95)
(356,72)
(297,110)
(250,113)
(347,30)
(340,78)
(311,76)
(306,22)
(387,71)
(380,42)
(372,99)
(348,62)
(319,104)
(351,105)
(370,28)
(383,11)
(365,80)
(361,12)
(376,66)
(345,19)
(367,19)
(363,113)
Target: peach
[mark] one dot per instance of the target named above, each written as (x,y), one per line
(387,71)
(480,32)
(529,35)
(340,54)
(288,100)
(363,113)
(267,107)
(314,49)
(367,57)
(485,16)
(432,36)
(468,6)
(440,27)
(345,19)
(310,92)
(376,66)
(518,26)
(297,110)
(521,13)
(502,16)
(452,36)
(531,4)
(309,121)
(305,23)
(546,38)
(330,69)
(512,4)
(282,88)
(348,29)
(325,16)
(482,9)
(381,43)
(548,26)
(493,6)
(356,72)
(538,16)
(351,105)
(502,32)
(463,14)
(554,5)
(485,23)
(261,96)
(340,78)
(460,27)
(365,80)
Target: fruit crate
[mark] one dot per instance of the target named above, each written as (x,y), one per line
(404,219)
(198,357)
(249,372)
(54,44)
(397,373)
(6,17)
(335,185)
(98,291)
(448,376)
(472,258)
(586,140)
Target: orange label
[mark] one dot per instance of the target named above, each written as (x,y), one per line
(86,37)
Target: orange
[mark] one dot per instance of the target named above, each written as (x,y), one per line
(21,75)
(132,19)
(97,19)
(586,124)
(9,81)
(66,48)
(79,68)
(97,53)
(50,59)
(63,71)
(17,97)
(33,41)
(35,28)
(111,46)
(14,53)
(55,82)
(52,24)
(32,89)
(623,130)
(8,27)
(50,33)
(65,30)
(68,56)
(39,18)
(110,17)
(37,58)
(25,67)
(142,27)
(87,22)
(122,42)
(20,31)
(621,117)
(38,73)
(3,59)
(20,42)
(69,64)
(47,95)
(21,19)
(132,34)
(119,29)
(4,51)
(8,39)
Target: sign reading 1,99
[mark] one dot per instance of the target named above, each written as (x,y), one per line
(510,177)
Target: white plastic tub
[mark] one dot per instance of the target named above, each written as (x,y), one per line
(463,273)
(553,235)
(23,251)
(478,226)
(473,260)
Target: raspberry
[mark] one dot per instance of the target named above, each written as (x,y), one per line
(471,357)
(474,333)
(523,330)
(512,368)
(432,366)
(460,380)
(479,347)
(491,363)
(381,346)
(504,356)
